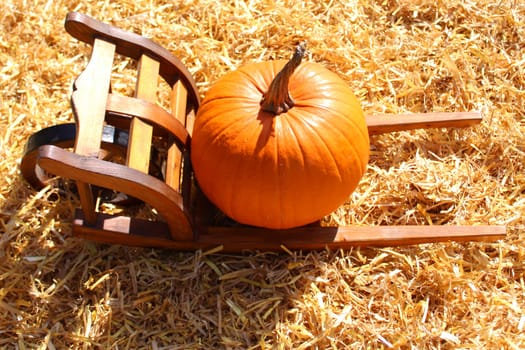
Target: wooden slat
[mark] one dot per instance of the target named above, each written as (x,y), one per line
(380,124)
(132,45)
(89,98)
(140,133)
(179,97)
(190,121)
(89,106)
(138,156)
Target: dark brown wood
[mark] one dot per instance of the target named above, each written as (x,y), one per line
(308,238)
(132,45)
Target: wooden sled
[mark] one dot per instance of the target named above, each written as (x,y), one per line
(141,131)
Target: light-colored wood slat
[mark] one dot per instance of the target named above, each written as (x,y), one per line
(190,121)
(380,124)
(89,98)
(140,132)
(139,145)
(179,96)
(89,106)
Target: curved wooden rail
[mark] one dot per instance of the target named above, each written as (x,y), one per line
(132,45)
(162,197)
(122,109)
(114,140)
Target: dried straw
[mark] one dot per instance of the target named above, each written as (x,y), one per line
(60,292)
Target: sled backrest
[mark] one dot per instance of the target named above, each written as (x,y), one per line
(95,106)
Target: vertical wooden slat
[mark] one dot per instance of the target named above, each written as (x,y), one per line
(89,106)
(140,135)
(186,183)
(179,96)
(190,121)
(90,96)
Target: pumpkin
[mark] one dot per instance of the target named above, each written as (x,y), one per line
(279,144)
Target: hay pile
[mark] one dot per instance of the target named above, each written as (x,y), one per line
(60,292)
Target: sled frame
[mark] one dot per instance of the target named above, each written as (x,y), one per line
(109,123)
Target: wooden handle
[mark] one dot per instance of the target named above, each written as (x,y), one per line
(239,239)
(380,124)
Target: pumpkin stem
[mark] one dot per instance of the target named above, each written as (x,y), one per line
(277,99)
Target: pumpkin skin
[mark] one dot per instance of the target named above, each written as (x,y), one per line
(285,170)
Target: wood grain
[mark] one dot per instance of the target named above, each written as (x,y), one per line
(140,132)
(179,95)
(380,124)
(89,107)
(132,45)
(136,232)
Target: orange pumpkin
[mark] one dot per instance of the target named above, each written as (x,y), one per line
(279,144)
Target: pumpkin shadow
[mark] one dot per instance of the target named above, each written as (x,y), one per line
(267,120)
